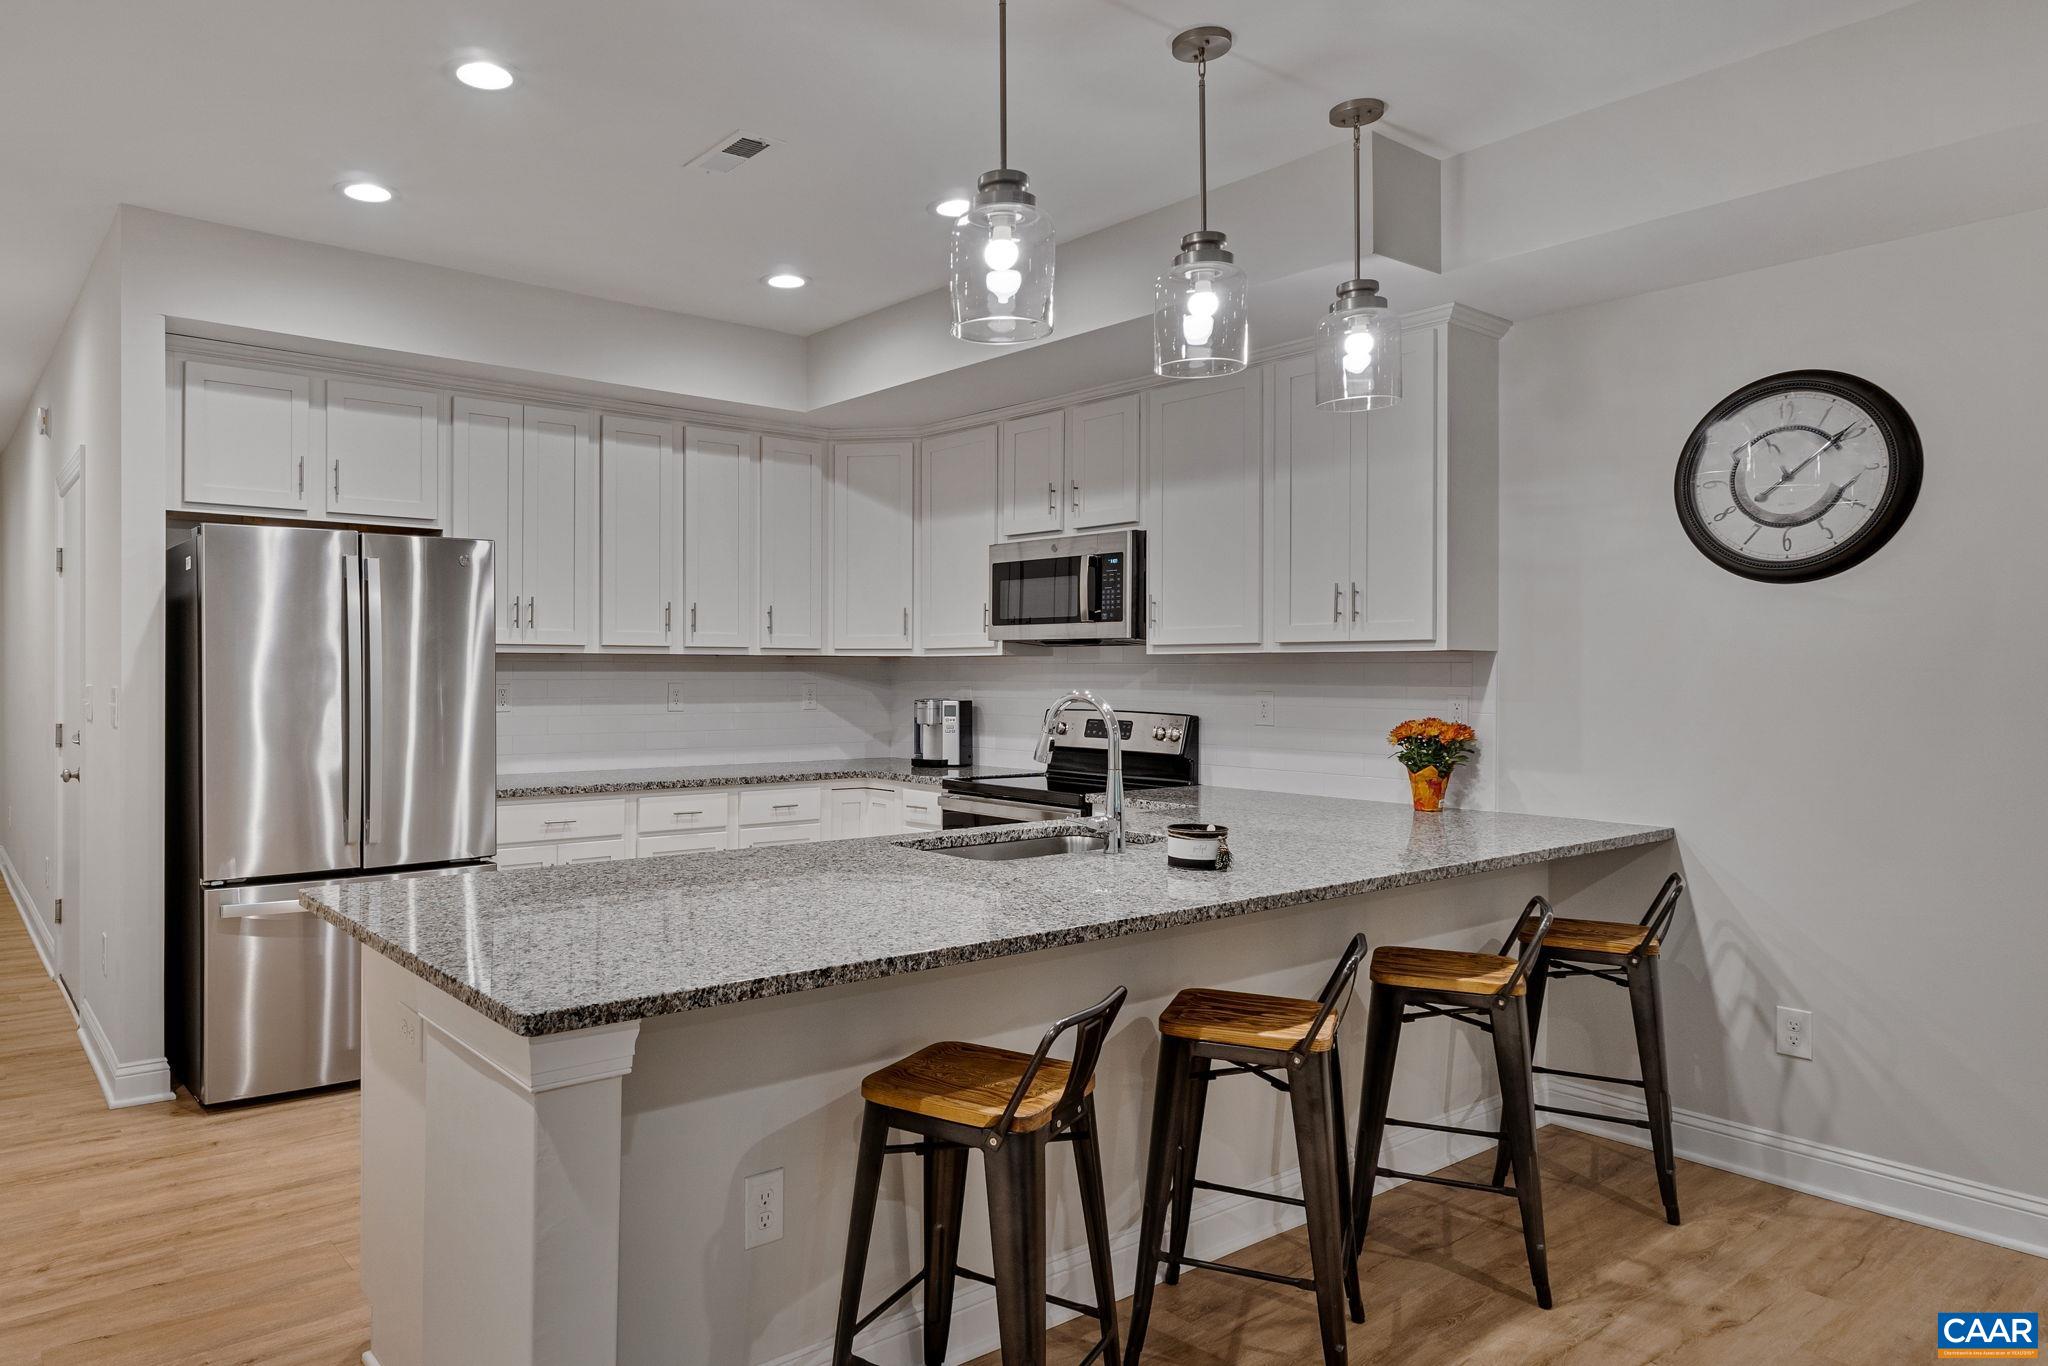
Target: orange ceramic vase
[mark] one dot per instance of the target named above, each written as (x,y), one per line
(1428,787)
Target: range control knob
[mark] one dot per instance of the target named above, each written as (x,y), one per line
(1158,732)
(1174,735)
(1061,728)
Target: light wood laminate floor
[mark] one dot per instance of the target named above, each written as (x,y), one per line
(164,1235)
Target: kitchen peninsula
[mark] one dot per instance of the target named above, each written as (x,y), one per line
(569,1072)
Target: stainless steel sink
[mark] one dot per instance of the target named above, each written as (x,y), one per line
(1039,846)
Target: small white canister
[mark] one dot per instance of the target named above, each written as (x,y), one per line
(1191,845)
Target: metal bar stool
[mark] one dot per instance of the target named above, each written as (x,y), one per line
(1487,991)
(1254,1035)
(1625,955)
(1010,1107)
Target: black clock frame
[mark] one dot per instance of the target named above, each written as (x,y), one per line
(1901,438)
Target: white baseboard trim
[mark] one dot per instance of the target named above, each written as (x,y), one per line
(147,1082)
(1990,1214)
(39,932)
(1220,1225)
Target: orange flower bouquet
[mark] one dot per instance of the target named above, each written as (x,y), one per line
(1429,749)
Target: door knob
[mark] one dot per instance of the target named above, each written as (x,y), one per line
(69,775)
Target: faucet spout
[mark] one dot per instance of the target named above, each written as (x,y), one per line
(1112,820)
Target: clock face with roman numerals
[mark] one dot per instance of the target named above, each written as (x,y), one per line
(1798,476)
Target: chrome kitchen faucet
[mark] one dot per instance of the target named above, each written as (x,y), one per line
(1112,823)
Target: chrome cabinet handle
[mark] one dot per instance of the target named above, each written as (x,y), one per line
(693,618)
(515,614)
(1077,495)
(302,476)
(1354,599)
(771,618)
(532,616)
(552,824)
(1337,602)
(668,614)
(906,622)
(337,478)
(1052,498)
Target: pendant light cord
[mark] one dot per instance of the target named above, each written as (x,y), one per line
(1357,227)
(1202,126)
(1003,82)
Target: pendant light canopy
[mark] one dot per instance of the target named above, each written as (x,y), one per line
(1358,345)
(1198,304)
(1003,244)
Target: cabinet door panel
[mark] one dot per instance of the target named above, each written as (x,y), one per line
(1102,467)
(1310,509)
(1204,513)
(247,436)
(873,565)
(559,522)
(490,465)
(1034,474)
(1395,518)
(959,526)
(526,856)
(383,451)
(792,540)
(637,537)
(718,537)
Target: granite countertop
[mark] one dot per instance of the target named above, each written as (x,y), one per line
(596,782)
(544,950)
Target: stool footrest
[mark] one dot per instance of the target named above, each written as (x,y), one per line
(1202,1185)
(980,1278)
(1587,1076)
(1445,1181)
(1251,1273)
(1462,1014)
(1444,1128)
(885,1305)
(1563,969)
(1236,1068)
(1593,1114)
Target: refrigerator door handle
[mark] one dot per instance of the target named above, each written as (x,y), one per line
(352,730)
(373,733)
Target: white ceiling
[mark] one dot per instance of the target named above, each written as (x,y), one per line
(250,112)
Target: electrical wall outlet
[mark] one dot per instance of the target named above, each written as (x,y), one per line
(1458,709)
(675,697)
(1795,1032)
(409,1030)
(810,697)
(1265,713)
(504,697)
(763,1203)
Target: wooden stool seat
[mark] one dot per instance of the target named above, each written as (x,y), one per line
(1477,974)
(1245,1020)
(969,1083)
(1592,936)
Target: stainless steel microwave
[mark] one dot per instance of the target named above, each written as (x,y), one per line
(1069,590)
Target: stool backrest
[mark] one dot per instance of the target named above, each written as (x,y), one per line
(1334,997)
(1661,908)
(1526,956)
(1091,1030)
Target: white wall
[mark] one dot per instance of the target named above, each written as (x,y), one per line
(1857,768)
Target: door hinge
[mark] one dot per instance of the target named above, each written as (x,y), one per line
(60,910)
(60,559)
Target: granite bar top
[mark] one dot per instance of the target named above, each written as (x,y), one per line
(596,782)
(544,950)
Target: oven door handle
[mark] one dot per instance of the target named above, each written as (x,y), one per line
(1012,811)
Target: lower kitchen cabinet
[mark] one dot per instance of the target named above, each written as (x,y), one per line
(543,831)
(698,842)
(800,832)
(921,808)
(855,812)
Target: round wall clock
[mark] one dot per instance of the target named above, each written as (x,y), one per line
(1798,476)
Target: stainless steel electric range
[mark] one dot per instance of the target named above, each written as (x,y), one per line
(1160,749)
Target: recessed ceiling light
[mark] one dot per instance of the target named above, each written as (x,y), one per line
(953,207)
(482,75)
(784,280)
(366,192)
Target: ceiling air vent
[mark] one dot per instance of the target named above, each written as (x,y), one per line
(732,151)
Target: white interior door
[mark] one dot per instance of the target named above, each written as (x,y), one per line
(792,541)
(71,721)
(719,495)
(959,527)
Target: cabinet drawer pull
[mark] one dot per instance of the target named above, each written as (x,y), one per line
(698,812)
(564,821)
(783,806)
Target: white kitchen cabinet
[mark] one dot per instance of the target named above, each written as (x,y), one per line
(776,805)
(1102,463)
(383,451)
(1309,528)
(248,435)
(592,851)
(959,476)
(920,808)
(695,842)
(720,493)
(692,809)
(526,856)
(1205,470)
(872,545)
(1032,468)
(806,832)
(525,479)
(853,812)
(1394,532)
(639,489)
(792,544)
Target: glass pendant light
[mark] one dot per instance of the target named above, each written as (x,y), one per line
(1358,345)
(1003,244)
(1198,304)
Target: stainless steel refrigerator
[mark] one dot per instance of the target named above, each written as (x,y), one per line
(329,717)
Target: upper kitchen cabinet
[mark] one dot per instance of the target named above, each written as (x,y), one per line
(383,451)
(792,544)
(526,479)
(248,434)
(1381,526)
(1202,512)
(1102,463)
(959,488)
(873,574)
(639,531)
(1032,470)
(720,498)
